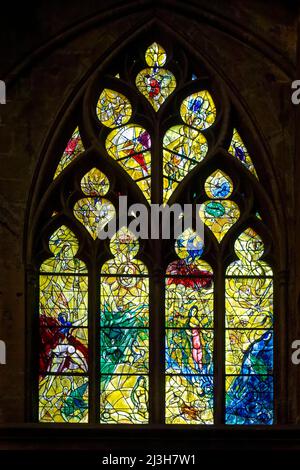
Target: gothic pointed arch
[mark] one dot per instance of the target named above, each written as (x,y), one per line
(175,331)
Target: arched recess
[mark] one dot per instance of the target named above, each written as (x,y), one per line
(82,136)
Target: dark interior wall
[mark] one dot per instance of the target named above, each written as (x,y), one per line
(47,49)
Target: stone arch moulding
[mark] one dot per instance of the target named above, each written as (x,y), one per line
(77,110)
(188,10)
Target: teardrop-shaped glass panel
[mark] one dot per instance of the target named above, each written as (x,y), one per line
(198,110)
(113,108)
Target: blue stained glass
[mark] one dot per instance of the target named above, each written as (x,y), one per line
(259,358)
(249,397)
(249,400)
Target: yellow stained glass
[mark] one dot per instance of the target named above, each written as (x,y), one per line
(249,302)
(198,110)
(64,246)
(130,146)
(249,248)
(64,298)
(94,213)
(124,399)
(155,55)
(189,399)
(218,185)
(63,399)
(186,141)
(94,183)
(63,318)
(127,141)
(249,334)
(73,149)
(184,147)
(113,108)
(155,82)
(189,307)
(124,348)
(238,150)
(219,216)
(238,343)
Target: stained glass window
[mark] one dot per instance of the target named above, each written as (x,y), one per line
(135,330)
(63,363)
(239,151)
(124,334)
(189,335)
(219,213)
(130,146)
(184,145)
(94,212)
(113,109)
(249,334)
(155,82)
(74,147)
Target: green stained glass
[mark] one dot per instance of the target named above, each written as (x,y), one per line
(73,149)
(124,344)
(219,216)
(238,150)
(155,82)
(198,110)
(113,108)
(94,183)
(94,214)
(124,302)
(238,342)
(124,350)
(63,399)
